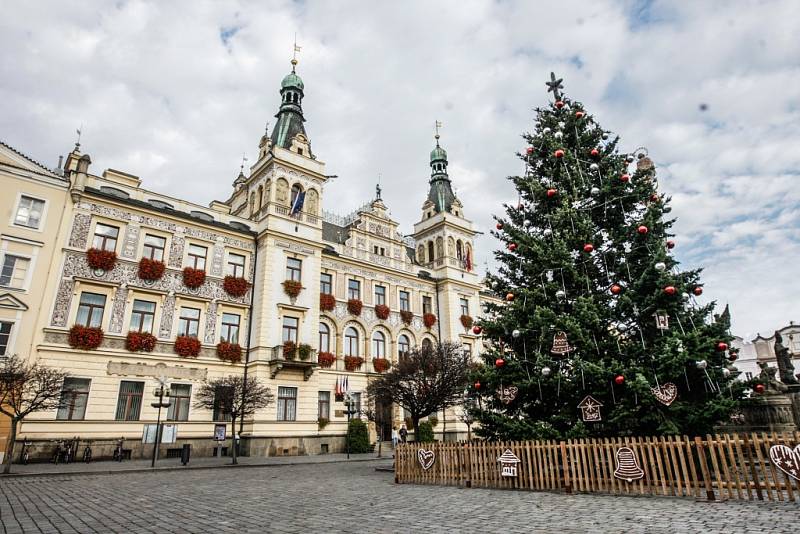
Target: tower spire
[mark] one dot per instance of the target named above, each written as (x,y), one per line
(290,115)
(441,191)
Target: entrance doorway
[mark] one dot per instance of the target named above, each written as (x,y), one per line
(383,419)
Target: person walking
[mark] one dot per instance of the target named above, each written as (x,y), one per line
(403,433)
(395,437)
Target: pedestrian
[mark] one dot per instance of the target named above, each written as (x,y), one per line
(403,433)
(395,437)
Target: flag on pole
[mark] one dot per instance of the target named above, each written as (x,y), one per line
(297,206)
(468,261)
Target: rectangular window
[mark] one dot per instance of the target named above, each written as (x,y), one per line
(236,265)
(324,405)
(405,301)
(293,269)
(5,336)
(179,397)
(197,257)
(426,305)
(105,237)
(142,316)
(14,271)
(154,247)
(222,403)
(90,310)
(129,404)
(354,289)
(356,405)
(380,295)
(464,306)
(29,212)
(290,329)
(326,283)
(287,404)
(230,328)
(74,396)
(189,322)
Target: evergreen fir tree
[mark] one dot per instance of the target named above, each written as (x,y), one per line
(588,254)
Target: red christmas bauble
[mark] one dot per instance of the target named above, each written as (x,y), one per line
(595,152)
(551,193)
(512,247)
(759,388)
(588,247)
(530,150)
(670,244)
(579,114)
(698,291)
(477,385)
(653,198)
(732,356)
(477,330)
(670,290)
(615,289)
(722,346)
(625,178)
(499,226)
(559,104)
(510,297)
(559,153)
(642,229)
(619,380)
(499,362)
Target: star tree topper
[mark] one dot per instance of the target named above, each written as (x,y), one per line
(554,85)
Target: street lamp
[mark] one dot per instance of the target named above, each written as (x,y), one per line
(160,393)
(349,402)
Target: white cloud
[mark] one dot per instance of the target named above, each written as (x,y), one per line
(162,95)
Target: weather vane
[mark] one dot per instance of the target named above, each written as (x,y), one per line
(436,126)
(554,85)
(78,142)
(294,54)
(244,159)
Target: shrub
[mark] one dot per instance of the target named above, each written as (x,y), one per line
(466,322)
(358,436)
(353,363)
(101,259)
(304,351)
(433,420)
(292,288)
(327,302)
(193,278)
(151,269)
(84,337)
(235,286)
(326,359)
(322,422)
(406,316)
(425,432)
(354,307)
(429,320)
(140,341)
(289,350)
(380,364)
(229,352)
(187,346)
(382,311)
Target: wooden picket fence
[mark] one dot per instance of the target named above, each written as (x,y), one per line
(718,467)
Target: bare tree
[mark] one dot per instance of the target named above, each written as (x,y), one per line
(424,381)
(235,396)
(375,417)
(465,415)
(25,388)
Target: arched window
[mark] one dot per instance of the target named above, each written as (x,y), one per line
(351,342)
(430,251)
(426,344)
(403,345)
(324,338)
(260,198)
(252,203)
(459,250)
(378,345)
(295,191)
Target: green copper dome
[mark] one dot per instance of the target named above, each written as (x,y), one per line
(438,153)
(292,80)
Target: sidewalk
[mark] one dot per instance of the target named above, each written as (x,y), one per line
(107,467)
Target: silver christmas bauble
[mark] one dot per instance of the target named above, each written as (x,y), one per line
(547,232)
(622,327)
(702,364)
(527,224)
(515,334)
(558,135)
(594,166)
(546,371)
(685,296)
(560,294)
(660,266)
(561,124)
(546,131)
(604,136)
(629,158)
(726,373)
(595,190)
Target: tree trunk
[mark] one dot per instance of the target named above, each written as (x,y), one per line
(233,440)
(415,422)
(444,424)
(379,430)
(12,438)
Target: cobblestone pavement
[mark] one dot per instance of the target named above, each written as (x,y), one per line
(347,497)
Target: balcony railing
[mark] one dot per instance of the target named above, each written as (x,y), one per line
(304,359)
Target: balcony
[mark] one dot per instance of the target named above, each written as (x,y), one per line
(281,358)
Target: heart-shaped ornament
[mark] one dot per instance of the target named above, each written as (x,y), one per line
(786,459)
(426,458)
(665,393)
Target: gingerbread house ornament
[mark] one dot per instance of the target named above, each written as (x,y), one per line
(590,409)
(560,344)
(508,463)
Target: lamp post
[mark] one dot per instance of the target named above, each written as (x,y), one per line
(348,402)
(160,393)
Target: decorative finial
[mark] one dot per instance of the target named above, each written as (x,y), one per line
(437,125)
(554,85)
(294,54)
(378,188)
(78,142)
(244,159)
(266,128)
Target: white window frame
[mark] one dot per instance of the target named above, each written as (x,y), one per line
(26,282)
(42,222)
(12,338)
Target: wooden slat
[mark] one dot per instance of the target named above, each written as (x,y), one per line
(712,453)
(762,468)
(701,456)
(771,468)
(786,479)
(735,463)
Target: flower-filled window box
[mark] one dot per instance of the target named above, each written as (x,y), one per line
(289,350)
(140,342)
(354,307)
(187,346)
(406,316)
(326,359)
(304,350)
(429,320)
(85,337)
(151,270)
(382,311)
(380,364)
(327,302)
(353,363)
(101,259)
(229,352)
(193,278)
(235,286)
(466,321)
(292,288)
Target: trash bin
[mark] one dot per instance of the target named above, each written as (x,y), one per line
(186,451)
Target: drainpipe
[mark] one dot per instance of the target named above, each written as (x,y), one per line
(249,330)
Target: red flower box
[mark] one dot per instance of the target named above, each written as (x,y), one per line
(292,288)
(466,321)
(193,278)
(380,364)
(406,316)
(353,363)
(229,352)
(354,307)
(289,350)
(327,302)
(235,286)
(84,337)
(101,259)
(429,320)
(382,311)
(187,346)
(140,342)
(326,359)
(151,269)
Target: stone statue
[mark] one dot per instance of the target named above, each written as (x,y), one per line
(767,377)
(785,366)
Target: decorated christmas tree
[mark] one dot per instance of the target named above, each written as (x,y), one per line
(600,332)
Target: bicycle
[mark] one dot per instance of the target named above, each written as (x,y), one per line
(25,455)
(58,453)
(117,457)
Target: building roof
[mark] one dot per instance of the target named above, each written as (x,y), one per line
(39,166)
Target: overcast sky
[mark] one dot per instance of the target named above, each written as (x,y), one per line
(176,92)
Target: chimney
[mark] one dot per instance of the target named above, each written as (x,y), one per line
(79,177)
